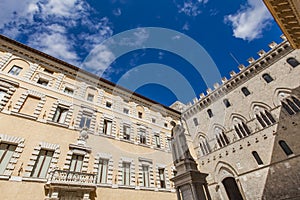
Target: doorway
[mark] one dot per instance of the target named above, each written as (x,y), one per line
(232,189)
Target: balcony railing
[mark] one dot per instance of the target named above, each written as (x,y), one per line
(66,177)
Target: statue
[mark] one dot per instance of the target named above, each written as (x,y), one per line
(190,184)
(180,150)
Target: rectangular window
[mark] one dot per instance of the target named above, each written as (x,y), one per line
(68,91)
(126,111)
(161,172)
(15,70)
(42,164)
(76,163)
(90,97)
(107,127)
(142,136)
(157,140)
(6,152)
(102,171)
(126,174)
(146,181)
(153,120)
(166,125)
(108,104)
(126,132)
(48,71)
(43,82)
(60,115)
(140,115)
(2,94)
(169,143)
(85,121)
(29,105)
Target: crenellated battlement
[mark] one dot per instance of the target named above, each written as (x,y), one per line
(237,78)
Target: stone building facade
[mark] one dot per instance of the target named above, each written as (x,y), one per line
(68,134)
(245,134)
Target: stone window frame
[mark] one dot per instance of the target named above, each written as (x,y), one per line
(120,172)
(166,173)
(45,76)
(88,111)
(167,139)
(263,116)
(19,141)
(204,147)
(9,87)
(293,62)
(161,137)
(131,133)
(110,168)
(147,135)
(22,99)
(113,125)
(35,154)
(145,162)
(64,104)
(77,151)
(240,127)
(221,137)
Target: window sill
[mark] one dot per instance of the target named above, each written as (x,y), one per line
(57,124)
(107,136)
(4,177)
(126,186)
(104,185)
(23,115)
(32,179)
(147,188)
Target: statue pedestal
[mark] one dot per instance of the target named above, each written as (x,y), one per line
(190,184)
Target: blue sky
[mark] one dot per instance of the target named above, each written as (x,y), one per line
(71,29)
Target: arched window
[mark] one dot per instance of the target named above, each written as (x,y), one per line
(221,137)
(287,108)
(242,129)
(267,78)
(195,121)
(246,128)
(204,146)
(210,113)
(226,103)
(291,105)
(257,158)
(245,91)
(296,101)
(259,119)
(293,62)
(285,147)
(265,118)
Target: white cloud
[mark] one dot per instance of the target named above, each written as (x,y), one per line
(250,21)
(55,44)
(99,60)
(191,7)
(137,39)
(49,26)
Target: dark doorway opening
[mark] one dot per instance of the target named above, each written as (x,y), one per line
(232,189)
